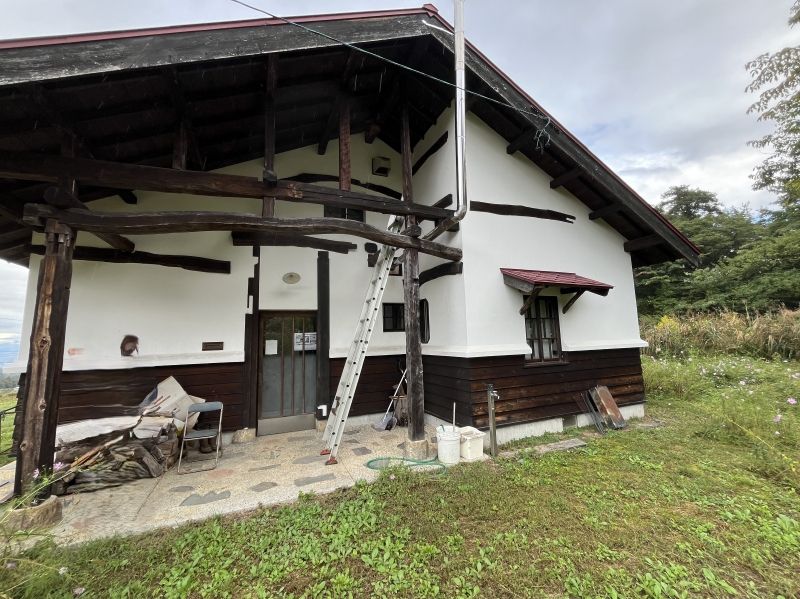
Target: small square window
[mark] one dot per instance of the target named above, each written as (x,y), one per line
(394,319)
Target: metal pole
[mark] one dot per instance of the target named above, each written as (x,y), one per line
(491,395)
(462,203)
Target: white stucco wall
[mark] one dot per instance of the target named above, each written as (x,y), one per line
(173,311)
(478,314)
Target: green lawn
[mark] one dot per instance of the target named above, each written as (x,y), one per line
(705,506)
(8,399)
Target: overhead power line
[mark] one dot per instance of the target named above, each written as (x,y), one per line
(542,137)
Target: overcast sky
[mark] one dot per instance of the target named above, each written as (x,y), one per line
(655,89)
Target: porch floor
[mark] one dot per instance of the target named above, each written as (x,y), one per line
(270,470)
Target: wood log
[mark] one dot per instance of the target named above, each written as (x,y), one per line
(516,210)
(45,359)
(275,239)
(442,270)
(41,167)
(194,263)
(184,222)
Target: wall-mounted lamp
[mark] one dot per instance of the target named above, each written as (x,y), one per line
(290,278)
(381,166)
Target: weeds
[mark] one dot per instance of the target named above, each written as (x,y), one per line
(768,335)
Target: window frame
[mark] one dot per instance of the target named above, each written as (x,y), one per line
(534,316)
(424,319)
(394,319)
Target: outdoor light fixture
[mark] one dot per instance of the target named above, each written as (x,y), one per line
(381,166)
(290,278)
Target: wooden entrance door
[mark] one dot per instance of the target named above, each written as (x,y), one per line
(288,381)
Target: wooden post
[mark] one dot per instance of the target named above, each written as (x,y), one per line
(43,377)
(345,175)
(323,329)
(414,376)
(270,176)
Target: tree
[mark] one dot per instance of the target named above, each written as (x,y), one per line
(776,78)
(718,232)
(680,201)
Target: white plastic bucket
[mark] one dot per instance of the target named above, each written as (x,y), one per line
(471,443)
(448,439)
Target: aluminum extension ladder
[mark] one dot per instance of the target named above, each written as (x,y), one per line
(340,409)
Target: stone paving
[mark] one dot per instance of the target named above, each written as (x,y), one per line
(267,471)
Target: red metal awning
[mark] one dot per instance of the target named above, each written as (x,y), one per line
(549,278)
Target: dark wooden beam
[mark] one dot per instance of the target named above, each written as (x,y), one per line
(45,359)
(270,135)
(345,174)
(445,202)
(411,283)
(572,300)
(531,298)
(185,222)
(435,147)
(91,254)
(442,270)
(274,239)
(318,177)
(521,140)
(181,145)
(565,178)
(514,210)
(642,243)
(62,198)
(354,58)
(323,329)
(48,168)
(405,158)
(605,211)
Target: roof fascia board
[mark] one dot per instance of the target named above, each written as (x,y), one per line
(39,63)
(566,143)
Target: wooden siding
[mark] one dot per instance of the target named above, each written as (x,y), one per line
(528,392)
(100,393)
(378,380)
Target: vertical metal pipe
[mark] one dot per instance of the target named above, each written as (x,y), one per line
(491,395)
(462,202)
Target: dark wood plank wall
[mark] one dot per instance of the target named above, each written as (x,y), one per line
(378,380)
(528,393)
(100,393)
(447,381)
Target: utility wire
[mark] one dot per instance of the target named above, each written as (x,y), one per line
(542,138)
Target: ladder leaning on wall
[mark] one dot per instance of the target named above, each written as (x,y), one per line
(340,408)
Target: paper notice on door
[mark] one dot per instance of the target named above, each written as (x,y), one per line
(270,347)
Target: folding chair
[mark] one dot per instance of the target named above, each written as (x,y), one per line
(197,434)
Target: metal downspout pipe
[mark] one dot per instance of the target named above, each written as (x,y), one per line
(462,203)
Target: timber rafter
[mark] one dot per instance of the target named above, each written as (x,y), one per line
(185,222)
(48,168)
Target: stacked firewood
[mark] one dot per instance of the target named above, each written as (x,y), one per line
(115,458)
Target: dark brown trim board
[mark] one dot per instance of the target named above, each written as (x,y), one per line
(100,393)
(528,393)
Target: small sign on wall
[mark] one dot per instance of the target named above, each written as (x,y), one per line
(305,342)
(270,347)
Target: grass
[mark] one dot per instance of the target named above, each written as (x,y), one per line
(8,399)
(705,506)
(767,335)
